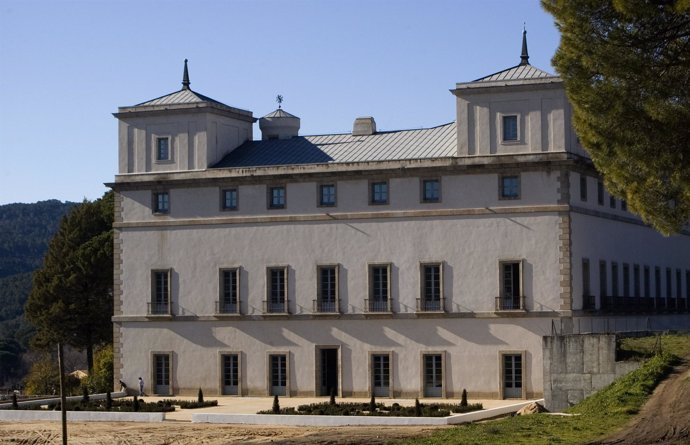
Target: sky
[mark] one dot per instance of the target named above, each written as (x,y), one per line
(66,66)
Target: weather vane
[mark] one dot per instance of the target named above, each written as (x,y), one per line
(279,99)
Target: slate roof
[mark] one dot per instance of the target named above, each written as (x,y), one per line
(436,142)
(519,72)
(184,96)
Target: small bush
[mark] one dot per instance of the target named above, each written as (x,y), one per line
(15,405)
(417,408)
(85,395)
(463,398)
(135,404)
(108,401)
(276,405)
(200,397)
(332,400)
(372,404)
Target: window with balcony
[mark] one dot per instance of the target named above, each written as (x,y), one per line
(276,290)
(160,293)
(229,300)
(431,299)
(379,288)
(511,296)
(327,289)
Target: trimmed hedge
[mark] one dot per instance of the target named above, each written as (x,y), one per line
(191,404)
(363,409)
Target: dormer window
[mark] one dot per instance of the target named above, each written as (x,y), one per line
(163,149)
(510,128)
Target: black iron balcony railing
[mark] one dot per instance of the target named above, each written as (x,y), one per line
(159,308)
(511,303)
(377,305)
(275,307)
(430,305)
(325,307)
(227,307)
(589,303)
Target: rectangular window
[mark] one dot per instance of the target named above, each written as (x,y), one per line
(431,190)
(327,195)
(161,374)
(160,292)
(636,280)
(276,288)
(161,202)
(379,288)
(587,298)
(276,197)
(380,374)
(433,375)
(626,280)
(432,287)
(583,188)
(510,128)
(687,286)
(600,193)
(614,279)
(624,205)
(278,373)
(657,281)
(612,202)
(327,289)
(509,186)
(679,284)
(647,284)
(669,283)
(229,199)
(511,286)
(378,192)
(229,291)
(162,149)
(230,368)
(603,282)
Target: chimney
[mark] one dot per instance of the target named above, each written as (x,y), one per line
(364,126)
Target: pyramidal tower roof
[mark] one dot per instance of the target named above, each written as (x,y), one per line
(520,73)
(181,99)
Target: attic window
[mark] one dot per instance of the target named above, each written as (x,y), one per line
(163,149)
(510,128)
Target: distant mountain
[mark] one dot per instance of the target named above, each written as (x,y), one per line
(25,231)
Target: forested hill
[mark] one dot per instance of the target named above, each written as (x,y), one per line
(25,230)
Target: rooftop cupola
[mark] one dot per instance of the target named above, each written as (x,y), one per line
(279,124)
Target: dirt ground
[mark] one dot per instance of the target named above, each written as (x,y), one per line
(183,433)
(664,420)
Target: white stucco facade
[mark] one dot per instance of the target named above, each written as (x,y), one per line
(410,276)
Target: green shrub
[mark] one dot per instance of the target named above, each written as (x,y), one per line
(463,398)
(276,405)
(200,397)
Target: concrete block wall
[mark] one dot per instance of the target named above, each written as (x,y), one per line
(576,366)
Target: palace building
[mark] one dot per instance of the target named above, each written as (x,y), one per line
(411,263)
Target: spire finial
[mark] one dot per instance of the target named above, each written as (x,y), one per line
(524,57)
(185,77)
(279,99)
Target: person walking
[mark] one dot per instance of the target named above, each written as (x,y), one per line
(141,386)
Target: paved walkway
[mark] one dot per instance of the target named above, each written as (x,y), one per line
(250,405)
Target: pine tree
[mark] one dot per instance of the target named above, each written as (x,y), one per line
(71,298)
(625,66)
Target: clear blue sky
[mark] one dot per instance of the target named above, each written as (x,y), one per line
(65,67)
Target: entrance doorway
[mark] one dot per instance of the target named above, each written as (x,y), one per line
(328,380)
(512,376)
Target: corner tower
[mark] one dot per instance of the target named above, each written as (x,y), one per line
(183,130)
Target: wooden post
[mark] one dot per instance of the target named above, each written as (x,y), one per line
(63,397)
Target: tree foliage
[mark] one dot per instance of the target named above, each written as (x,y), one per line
(71,298)
(626,70)
(101,378)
